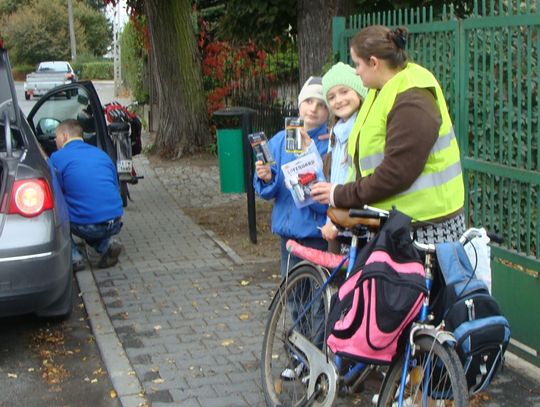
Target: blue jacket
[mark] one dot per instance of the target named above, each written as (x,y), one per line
(89,181)
(288,220)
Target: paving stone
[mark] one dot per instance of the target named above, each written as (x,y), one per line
(163,396)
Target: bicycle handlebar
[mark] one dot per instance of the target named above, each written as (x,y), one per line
(368,212)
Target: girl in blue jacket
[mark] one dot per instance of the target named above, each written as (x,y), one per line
(289,221)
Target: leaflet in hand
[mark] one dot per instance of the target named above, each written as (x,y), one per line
(300,175)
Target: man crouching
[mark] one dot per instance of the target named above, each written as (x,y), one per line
(89,182)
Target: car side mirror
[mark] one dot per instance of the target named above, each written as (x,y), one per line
(47,127)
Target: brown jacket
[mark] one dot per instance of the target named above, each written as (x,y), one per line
(412,129)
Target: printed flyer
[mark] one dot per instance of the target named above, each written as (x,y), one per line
(300,175)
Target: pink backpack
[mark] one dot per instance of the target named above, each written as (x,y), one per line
(381,298)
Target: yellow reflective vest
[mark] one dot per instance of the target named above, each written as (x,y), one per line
(438,191)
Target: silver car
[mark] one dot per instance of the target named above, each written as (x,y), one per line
(48,75)
(35,245)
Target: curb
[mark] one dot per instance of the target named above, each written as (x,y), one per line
(123,377)
(521,365)
(223,246)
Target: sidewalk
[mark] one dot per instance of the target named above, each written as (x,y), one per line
(185,316)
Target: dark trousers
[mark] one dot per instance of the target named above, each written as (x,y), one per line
(97,235)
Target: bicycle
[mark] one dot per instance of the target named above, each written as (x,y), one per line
(427,369)
(125,131)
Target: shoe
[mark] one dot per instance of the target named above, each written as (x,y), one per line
(110,258)
(78,265)
(115,248)
(290,373)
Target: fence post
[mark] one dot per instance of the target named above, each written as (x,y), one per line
(461,107)
(338,28)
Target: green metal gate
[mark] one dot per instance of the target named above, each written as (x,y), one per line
(489,67)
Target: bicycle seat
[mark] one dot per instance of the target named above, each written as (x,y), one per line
(340,217)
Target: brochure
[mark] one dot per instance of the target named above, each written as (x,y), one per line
(300,175)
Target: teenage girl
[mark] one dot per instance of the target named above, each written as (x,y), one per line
(344,93)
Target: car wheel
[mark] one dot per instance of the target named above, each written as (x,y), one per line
(27,95)
(68,95)
(60,309)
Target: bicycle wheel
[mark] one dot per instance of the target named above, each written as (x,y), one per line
(283,370)
(435,377)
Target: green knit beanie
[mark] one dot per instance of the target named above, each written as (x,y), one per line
(345,75)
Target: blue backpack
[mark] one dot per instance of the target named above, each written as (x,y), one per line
(468,310)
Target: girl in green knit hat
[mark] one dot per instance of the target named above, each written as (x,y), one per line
(344,93)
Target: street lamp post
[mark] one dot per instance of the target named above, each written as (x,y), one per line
(116,51)
(71,30)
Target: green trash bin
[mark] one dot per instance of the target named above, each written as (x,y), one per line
(235,157)
(232,148)
(231,160)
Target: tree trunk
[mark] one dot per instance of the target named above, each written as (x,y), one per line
(183,119)
(345,8)
(314,35)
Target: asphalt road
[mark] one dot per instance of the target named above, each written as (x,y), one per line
(53,363)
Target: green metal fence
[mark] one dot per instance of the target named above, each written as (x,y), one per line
(488,64)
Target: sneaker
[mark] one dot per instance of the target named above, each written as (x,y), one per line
(78,265)
(290,373)
(110,258)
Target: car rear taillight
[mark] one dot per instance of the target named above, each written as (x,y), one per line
(69,76)
(30,197)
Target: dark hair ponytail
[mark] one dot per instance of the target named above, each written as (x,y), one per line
(381,42)
(399,37)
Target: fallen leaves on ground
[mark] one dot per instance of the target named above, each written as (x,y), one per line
(479,399)
(48,345)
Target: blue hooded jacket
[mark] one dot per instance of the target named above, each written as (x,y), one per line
(288,220)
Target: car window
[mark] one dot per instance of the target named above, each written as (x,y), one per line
(58,108)
(53,67)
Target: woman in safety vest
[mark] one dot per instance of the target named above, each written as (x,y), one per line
(403,145)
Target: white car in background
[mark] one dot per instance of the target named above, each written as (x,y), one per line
(49,75)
